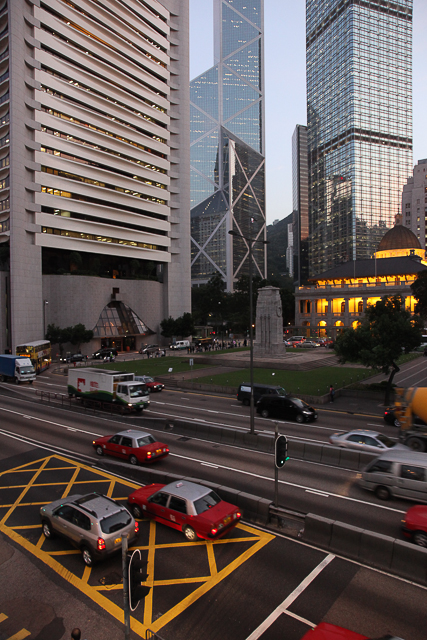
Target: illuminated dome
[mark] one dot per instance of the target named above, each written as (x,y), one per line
(399,237)
(399,241)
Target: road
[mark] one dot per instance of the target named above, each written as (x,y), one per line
(303,486)
(249,585)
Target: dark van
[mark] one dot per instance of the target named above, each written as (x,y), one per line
(286,408)
(244,392)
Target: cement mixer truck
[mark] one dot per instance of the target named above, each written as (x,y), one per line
(411,413)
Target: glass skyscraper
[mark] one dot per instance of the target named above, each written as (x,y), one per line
(227,148)
(359,133)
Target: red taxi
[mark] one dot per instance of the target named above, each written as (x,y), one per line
(414,525)
(131,445)
(152,384)
(186,506)
(326,631)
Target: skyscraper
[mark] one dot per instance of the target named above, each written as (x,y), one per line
(359,133)
(300,204)
(227,148)
(93,154)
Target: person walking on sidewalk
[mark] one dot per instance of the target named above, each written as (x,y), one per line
(331,393)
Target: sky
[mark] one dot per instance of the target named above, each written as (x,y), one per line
(285,91)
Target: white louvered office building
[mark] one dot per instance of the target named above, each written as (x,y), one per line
(94,178)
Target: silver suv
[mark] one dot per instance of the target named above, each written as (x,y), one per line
(93,523)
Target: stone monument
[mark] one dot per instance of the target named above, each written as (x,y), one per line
(269,324)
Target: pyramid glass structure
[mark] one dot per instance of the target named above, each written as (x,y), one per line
(227,148)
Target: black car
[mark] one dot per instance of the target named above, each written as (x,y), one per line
(390,418)
(285,407)
(104,352)
(75,357)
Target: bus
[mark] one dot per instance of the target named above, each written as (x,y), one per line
(39,352)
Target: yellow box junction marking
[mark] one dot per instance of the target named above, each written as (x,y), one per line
(206,582)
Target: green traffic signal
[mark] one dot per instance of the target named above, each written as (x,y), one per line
(281,451)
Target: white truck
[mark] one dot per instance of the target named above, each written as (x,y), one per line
(16,368)
(104,385)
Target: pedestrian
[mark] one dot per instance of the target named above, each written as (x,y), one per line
(331,393)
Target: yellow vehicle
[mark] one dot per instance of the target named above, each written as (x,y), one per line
(411,412)
(39,352)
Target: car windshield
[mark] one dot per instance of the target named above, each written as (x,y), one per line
(137,391)
(145,440)
(207,502)
(281,391)
(299,403)
(115,522)
(382,438)
(148,379)
(27,370)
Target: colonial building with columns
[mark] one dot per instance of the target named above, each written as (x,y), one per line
(337,298)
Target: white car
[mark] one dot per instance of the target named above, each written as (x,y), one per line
(364,440)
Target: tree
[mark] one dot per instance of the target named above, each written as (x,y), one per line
(185,325)
(419,290)
(79,334)
(168,327)
(386,330)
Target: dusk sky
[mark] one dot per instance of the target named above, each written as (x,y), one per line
(285,94)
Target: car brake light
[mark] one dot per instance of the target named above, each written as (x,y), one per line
(214,532)
(136,527)
(238,514)
(148,454)
(101,544)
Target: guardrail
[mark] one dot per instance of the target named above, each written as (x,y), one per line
(373,549)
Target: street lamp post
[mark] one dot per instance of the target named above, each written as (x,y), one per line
(250,242)
(45,302)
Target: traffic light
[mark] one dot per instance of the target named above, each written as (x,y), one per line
(281,451)
(137,574)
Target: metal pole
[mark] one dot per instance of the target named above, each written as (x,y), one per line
(276,470)
(251,343)
(125,569)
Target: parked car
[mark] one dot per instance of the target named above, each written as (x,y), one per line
(152,384)
(131,445)
(294,340)
(104,352)
(75,357)
(93,523)
(149,348)
(195,510)
(326,631)
(286,408)
(309,344)
(414,526)
(364,440)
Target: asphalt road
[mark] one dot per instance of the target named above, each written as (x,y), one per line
(249,585)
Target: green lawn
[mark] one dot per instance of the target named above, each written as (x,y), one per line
(315,382)
(154,366)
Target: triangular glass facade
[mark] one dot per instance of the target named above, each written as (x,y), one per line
(227,148)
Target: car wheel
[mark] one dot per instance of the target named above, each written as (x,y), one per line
(47,529)
(416,444)
(138,409)
(137,511)
(382,493)
(265,413)
(133,460)
(299,418)
(190,534)
(420,538)
(87,556)
(246,403)
(99,450)
(396,423)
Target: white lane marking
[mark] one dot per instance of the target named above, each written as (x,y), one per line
(55,424)
(254,475)
(71,429)
(290,599)
(208,464)
(27,417)
(293,484)
(317,493)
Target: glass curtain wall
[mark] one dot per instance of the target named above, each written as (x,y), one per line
(359,134)
(227,148)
